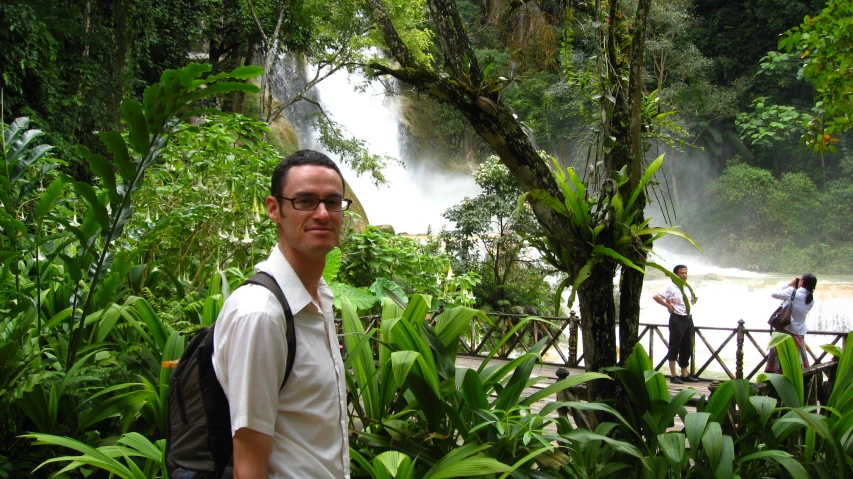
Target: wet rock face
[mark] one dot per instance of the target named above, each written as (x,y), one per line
(358,220)
(712,277)
(386,229)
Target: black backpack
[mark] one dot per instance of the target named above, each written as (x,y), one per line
(198,442)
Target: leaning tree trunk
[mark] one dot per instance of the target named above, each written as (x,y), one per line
(461,85)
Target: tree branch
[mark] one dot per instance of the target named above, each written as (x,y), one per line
(454,42)
(398,48)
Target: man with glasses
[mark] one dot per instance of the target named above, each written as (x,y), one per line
(299,430)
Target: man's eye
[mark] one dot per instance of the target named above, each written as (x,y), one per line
(305,202)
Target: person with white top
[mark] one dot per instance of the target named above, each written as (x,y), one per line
(680,328)
(300,430)
(803,303)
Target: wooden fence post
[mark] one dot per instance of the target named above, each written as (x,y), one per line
(739,353)
(562,394)
(573,339)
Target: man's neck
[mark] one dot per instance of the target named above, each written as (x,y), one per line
(309,269)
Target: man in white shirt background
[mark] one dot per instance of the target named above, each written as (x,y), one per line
(300,430)
(680,327)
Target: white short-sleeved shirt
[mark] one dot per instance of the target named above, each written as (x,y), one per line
(672,294)
(308,417)
(799,310)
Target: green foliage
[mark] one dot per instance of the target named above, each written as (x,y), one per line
(605,221)
(109,458)
(204,201)
(769,123)
(415,401)
(65,330)
(488,240)
(784,224)
(824,42)
(379,256)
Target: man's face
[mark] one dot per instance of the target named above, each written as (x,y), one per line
(682,273)
(308,233)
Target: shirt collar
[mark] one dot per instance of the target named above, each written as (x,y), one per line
(290,284)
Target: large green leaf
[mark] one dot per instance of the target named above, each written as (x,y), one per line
(649,173)
(583,274)
(137,128)
(361,359)
(672,447)
(90,455)
(664,416)
(694,426)
(789,358)
(116,145)
(401,363)
(49,197)
(764,407)
(600,250)
(561,385)
(669,231)
(724,469)
(794,468)
(516,384)
(360,298)
(450,324)
(397,464)
(95,206)
(333,265)
(101,167)
(843,372)
(471,466)
(784,388)
(583,436)
(453,458)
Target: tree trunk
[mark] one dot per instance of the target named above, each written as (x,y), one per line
(631,287)
(119,57)
(598,324)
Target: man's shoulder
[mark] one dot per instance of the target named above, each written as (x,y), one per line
(250,300)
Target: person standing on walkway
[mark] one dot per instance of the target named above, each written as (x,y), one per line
(300,430)
(803,303)
(680,327)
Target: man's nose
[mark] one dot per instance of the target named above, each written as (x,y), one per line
(321,211)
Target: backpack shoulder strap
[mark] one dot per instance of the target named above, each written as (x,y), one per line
(267,281)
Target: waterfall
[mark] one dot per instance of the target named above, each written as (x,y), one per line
(416,196)
(289,79)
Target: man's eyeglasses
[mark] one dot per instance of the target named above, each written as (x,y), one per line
(311,204)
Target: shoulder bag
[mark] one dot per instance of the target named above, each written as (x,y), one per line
(782,316)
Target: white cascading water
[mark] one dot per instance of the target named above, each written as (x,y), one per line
(414,200)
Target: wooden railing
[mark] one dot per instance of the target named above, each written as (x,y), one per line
(483,337)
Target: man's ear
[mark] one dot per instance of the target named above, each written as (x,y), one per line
(272,208)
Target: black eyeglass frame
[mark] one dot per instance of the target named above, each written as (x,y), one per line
(345,203)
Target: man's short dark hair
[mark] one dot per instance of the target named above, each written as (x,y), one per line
(300,158)
(678,267)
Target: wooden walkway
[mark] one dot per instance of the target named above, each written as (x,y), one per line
(548,373)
